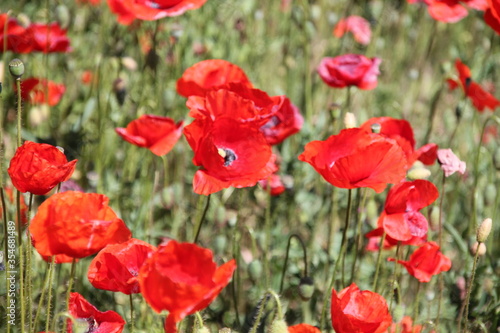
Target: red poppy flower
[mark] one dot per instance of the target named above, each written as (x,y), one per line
(116,267)
(18,39)
(231,153)
(210,75)
(88,319)
(356,311)
(492,15)
(87,77)
(401,131)
(37,168)
(285,122)
(76,224)
(158,134)
(425,262)
(49,38)
(276,184)
(480,98)
(359,27)
(406,326)
(401,219)
(355,158)
(182,278)
(33,90)
(350,70)
(303,328)
(452,11)
(128,10)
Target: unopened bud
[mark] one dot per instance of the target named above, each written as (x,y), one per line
(255,270)
(278,326)
(306,288)
(350,120)
(63,16)
(490,194)
(202,329)
(496,159)
(225,330)
(484,230)
(376,128)
(479,248)
(16,68)
(418,173)
(120,89)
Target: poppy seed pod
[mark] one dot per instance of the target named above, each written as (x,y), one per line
(16,68)
(255,270)
(306,288)
(484,230)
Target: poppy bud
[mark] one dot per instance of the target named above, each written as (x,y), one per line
(220,244)
(278,326)
(458,113)
(376,128)
(434,217)
(255,270)
(120,89)
(490,194)
(202,329)
(16,68)
(306,288)
(484,230)
(63,16)
(225,330)
(350,120)
(496,159)
(418,173)
(478,248)
(23,20)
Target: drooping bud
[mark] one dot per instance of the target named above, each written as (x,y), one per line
(278,326)
(16,68)
(484,230)
(306,288)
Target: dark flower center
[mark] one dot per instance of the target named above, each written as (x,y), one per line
(228,155)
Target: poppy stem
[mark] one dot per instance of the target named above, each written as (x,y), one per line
(262,305)
(379,262)
(267,227)
(28,266)
(416,303)
(339,258)
(165,171)
(440,243)
(132,315)
(202,218)
(49,296)
(465,305)
(304,250)
(359,222)
(70,286)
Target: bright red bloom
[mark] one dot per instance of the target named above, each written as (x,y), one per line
(401,131)
(129,10)
(359,27)
(284,122)
(18,40)
(33,90)
(87,77)
(406,326)
(158,134)
(401,219)
(492,15)
(451,11)
(116,267)
(355,158)
(303,328)
(49,38)
(480,98)
(89,319)
(231,153)
(182,278)
(37,168)
(210,75)
(425,262)
(76,224)
(350,70)
(356,311)
(277,186)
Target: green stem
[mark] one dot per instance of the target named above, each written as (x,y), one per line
(49,296)
(469,290)
(440,243)
(132,322)
(379,262)
(359,223)
(202,219)
(28,268)
(339,259)
(267,227)
(70,286)
(286,258)
(416,304)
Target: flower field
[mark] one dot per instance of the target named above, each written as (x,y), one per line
(249,166)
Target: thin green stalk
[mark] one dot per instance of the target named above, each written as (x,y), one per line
(416,304)
(28,268)
(465,305)
(267,227)
(339,259)
(440,243)
(202,219)
(235,282)
(132,317)
(359,223)
(49,296)
(165,171)
(199,319)
(262,306)
(379,262)
(286,258)
(70,286)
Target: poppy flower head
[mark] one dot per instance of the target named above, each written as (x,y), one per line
(182,278)
(492,15)
(116,267)
(230,153)
(350,70)
(359,27)
(406,326)
(355,158)
(88,319)
(425,262)
(49,38)
(18,38)
(208,75)
(41,91)
(76,224)
(284,123)
(156,133)
(276,185)
(450,163)
(151,10)
(303,328)
(37,168)
(353,310)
